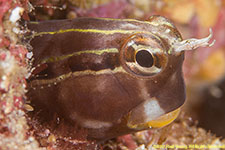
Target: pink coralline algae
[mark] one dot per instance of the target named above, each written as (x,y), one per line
(13,126)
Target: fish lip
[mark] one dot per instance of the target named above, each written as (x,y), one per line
(158,122)
(149,114)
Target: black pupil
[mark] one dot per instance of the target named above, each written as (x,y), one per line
(144,58)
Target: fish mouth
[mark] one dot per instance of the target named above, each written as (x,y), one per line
(156,123)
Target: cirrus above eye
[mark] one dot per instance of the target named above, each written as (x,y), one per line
(144,58)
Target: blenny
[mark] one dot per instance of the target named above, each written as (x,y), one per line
(109,76)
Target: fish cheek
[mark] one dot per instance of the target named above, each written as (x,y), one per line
(94,98)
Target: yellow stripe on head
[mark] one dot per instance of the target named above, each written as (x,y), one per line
(97,52)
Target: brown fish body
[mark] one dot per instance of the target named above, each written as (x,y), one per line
(109,76)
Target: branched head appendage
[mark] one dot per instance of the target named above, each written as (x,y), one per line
(193,43)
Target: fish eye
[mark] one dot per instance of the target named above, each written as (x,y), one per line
(144,58)
(143,55)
